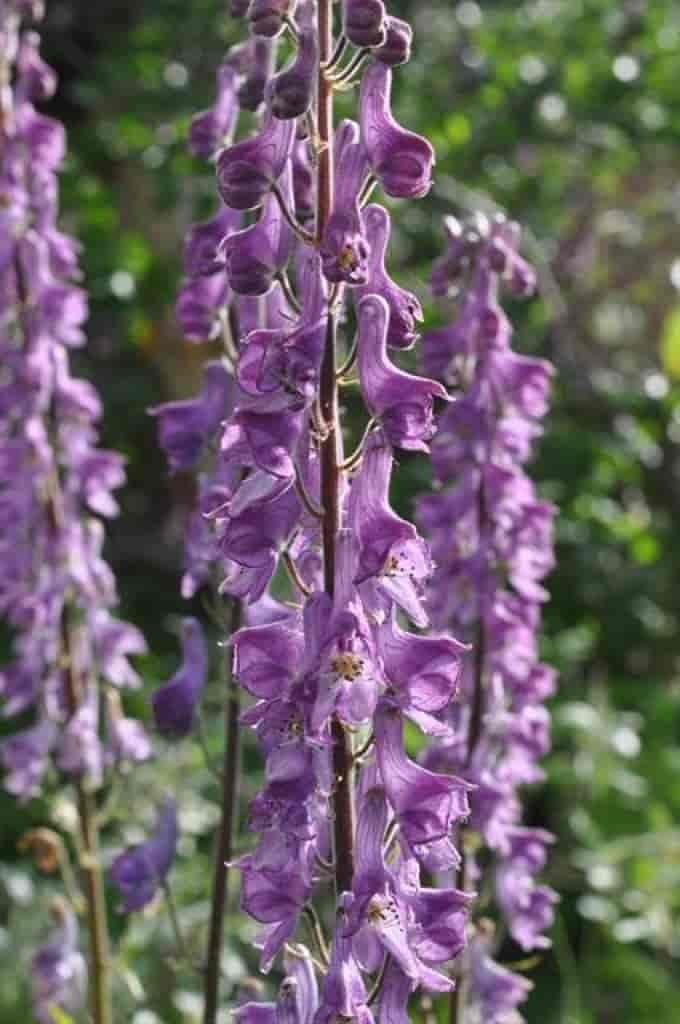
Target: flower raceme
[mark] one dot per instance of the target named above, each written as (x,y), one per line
(334,675)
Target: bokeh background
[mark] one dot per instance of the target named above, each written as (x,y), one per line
(566,115)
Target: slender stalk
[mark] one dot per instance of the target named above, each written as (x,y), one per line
(331,456)
(225,838)
(92,882)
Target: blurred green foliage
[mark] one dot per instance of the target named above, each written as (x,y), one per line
(565,114)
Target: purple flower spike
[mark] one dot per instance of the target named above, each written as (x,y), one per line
(255,255)
(267,17)
(174,703)
(79,752)
(247,170)
(400,401)
(258,70)
(364,22)
(396,49)
(202,255)
(344,248)
(186,425)
(496,991)
(139,872)
(401,160)
(58,969)
(293,87)
(427,805)
(25,756)
(404,308)
(343,993)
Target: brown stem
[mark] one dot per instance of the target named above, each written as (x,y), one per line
(92,882)
(331,456)
(225,838)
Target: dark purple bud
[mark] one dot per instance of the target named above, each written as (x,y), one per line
(174,703)
(401,160)
(238,8)
(247,170)
(258,72)
(448,268)
(35,79)
(127,742)
(267,17)
(396,49)
(364,22)
(404,308)
(255,255)
(139,872)
(344,248)
(199,303)
(293,88)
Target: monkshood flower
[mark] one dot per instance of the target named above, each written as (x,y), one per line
(255,255)
(58,969)
(401,160)
(293,87)
(127,742)
(212,128)
(344,247)
(256,73)
(247,170)
(399,401)
(186,426)
(138,873)
(491,538)
(175,702)
(396,49)
(267,17)
(405,310)
(298,996)
(25,758)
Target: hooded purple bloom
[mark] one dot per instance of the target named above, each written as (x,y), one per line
(186,425)
(257,69)
(400,401)
(392,557)
(496,991)
(79,751)
(343,993)
(247,170)
(427,805)
(527,906)
(401,160)
(256,254)
(203,255)
(199,303)
(364,22)
(58,969)
(404,308)
(293,87)
(297,1000)
(174,703)
(344,248)
(139,872)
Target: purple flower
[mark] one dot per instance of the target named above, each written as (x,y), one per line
(202,253)
(79,751)
(199,304)
(344,248)
(293,87)
(247,170)
(404,308)
(185,426)
(401,160)
(343,992)
(496,991)
(139,871)
(25,757)
(392,557)
(256,254)
(174,703)
(58,969)
(427,805)
(401,402)
(127,742)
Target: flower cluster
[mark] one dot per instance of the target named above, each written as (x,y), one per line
(334,673)
(56,591)
(491,541)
